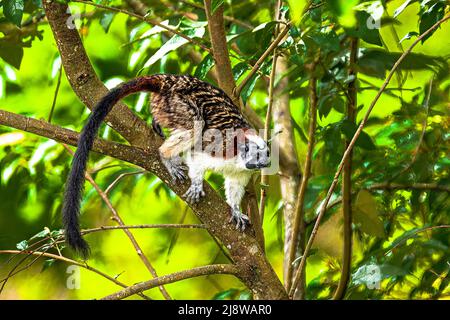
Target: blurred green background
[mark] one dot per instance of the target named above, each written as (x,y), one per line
(33,169)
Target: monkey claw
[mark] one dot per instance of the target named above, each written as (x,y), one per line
(176,168)
(195,192)
(240,219)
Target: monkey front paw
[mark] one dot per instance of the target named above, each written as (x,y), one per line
(240,219)
(195,192)
(177,172)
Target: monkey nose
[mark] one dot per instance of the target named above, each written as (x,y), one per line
(263,164)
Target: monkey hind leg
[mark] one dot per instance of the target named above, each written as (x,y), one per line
(179,142)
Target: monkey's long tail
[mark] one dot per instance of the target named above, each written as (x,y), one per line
(75,181)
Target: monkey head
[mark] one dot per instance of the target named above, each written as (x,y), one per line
(253,152)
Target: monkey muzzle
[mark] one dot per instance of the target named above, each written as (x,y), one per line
(260,162)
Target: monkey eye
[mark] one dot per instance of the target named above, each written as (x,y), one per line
(246,148)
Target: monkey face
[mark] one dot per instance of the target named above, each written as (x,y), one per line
(254,153)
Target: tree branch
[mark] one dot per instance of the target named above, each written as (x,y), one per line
(352,95)
(145,226)
(174,277)
(220,48)
(265,178)
(350,147)
(298,232)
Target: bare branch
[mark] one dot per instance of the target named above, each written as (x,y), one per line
(146,226)
(443,226)
(413,186)
(220,49)
(72,262)
(298,232)
(120,177)
(352,95)
(265,178)
(350,147)
(174,277)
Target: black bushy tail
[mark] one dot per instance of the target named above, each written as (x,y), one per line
(75,181)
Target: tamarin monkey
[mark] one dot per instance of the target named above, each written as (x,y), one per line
(181,104)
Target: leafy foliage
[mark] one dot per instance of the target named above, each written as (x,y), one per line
(401,233)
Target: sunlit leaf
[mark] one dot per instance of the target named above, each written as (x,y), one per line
(400,9)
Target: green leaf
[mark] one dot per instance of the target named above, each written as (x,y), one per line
(11,53)
(106,20)
(375,62)
(369,35)
(366,214)
(41,234)
(245,295)
(203,68)
(364,141)
(174,43)
(429,17)
(327,40)
(22,245)
(13,10)
(239,69)
(248,89)
(216,5)
(402,7)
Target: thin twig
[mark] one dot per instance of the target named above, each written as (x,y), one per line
(350,147)
(120,177)
(72,262)
(55,96)
(145,226)
(444,226)
(265,178)
(352,95)
(174,277)
(119,220)
(218,38)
